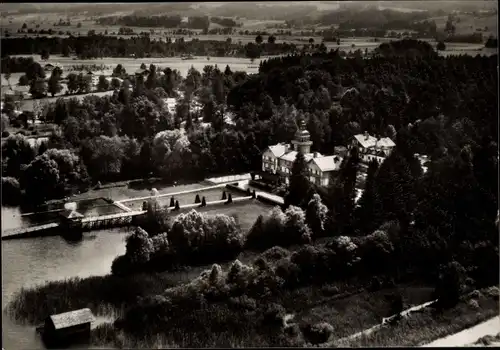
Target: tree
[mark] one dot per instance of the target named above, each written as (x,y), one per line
(119,71)
(299,182)
(172,202)
(139,247)
(45,54)
(368,212)
(258,39)
(441,46)
(197,199)
(41,178)
(34,71)
(103,84)
(72,83)
(311,41)
(23,80)
(451,283)
(38,88)
(103,156)
(143,66)
(271,39)
(84,83)
(316,215)
(115,83)
(203,202)
(54,85)
(296,228)
(11,191)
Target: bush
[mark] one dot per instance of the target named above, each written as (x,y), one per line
(493,292)
(203,237)
(177,207)
(224,197)
(172,202)
(451,284)
(276,253)
(203,202)
(279,229)
(273,315)
(5,134)
(318,333)
(473,304)
(197,199)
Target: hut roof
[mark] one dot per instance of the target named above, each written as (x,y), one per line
(72,318)
(71,214)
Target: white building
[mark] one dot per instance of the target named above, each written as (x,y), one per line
(371,148)
(278,159)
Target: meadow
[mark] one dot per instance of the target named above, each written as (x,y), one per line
(428,325)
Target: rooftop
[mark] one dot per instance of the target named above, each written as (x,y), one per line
(328,163)
(278,150)
(72,318)
(368,141)
(290,156)
(71,214)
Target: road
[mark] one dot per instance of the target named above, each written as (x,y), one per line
(470,335)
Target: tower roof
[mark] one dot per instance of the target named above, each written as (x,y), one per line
(302,130)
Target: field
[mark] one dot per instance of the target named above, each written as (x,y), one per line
(426,326)
(469,24)
(361,310)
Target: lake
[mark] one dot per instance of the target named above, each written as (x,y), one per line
(35,261)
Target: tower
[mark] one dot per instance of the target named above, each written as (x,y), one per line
(302,141)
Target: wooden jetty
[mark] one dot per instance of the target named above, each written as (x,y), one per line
(72,223)
(112,220)
(26,232)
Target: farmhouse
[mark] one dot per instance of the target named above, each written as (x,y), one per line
(69,326)
(278,159)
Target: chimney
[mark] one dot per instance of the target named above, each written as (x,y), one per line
(315,155)
(366,135)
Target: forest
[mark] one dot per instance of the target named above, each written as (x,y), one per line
(95,46)
(438,226)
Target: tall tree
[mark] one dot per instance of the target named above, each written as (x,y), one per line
(54,84)
(368,212)
(299,187)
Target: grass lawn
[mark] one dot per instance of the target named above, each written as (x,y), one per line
(425,326)
(132,191)
(188,198)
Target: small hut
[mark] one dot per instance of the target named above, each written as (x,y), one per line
(71,223)
(68,327)
(71,218)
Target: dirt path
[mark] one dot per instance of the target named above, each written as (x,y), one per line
(470,335)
